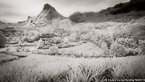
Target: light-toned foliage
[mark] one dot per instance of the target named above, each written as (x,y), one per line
(53,50)
(32,36)
(84,50)
(118,50)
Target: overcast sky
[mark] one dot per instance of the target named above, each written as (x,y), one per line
(18,10)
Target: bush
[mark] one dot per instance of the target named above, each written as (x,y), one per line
(133,52)
(38,51)
(127,42)
(40,44)
(57,40)
(33,36)
(53,50)
(142,51)
(105,47)
(13,40)
(117,50)
(74,37)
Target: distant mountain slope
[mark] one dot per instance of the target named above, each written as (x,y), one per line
(133,5)
(123,12)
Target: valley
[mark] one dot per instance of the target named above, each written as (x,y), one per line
(85,47)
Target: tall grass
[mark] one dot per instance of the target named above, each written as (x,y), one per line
(61,69)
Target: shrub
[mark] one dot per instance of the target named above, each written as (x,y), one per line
(40,44)
(127,42)
(53,50)
(33,36)
(13,40)
(74,37)
(57,40)
(104,46)
(142,51)
(117,49)
(133,52)
(38,51)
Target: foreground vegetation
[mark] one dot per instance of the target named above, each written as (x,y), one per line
(41,68)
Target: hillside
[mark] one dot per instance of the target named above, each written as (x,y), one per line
(123,12)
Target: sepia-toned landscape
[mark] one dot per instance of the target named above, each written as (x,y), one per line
(104,46)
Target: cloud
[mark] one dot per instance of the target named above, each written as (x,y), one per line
(19,10)
(4,6)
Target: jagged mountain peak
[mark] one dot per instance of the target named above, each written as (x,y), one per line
(47,7)
(48,13)
(45,17)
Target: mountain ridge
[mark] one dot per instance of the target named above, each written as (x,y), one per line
(122,12)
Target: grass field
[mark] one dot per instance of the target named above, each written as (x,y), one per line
(4,57)
(43,68)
